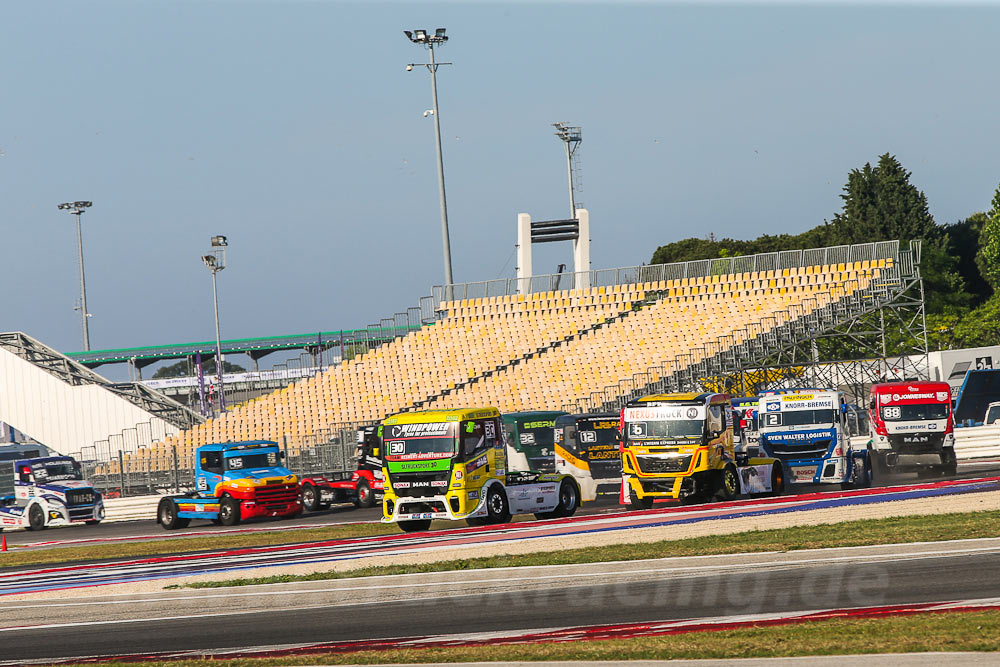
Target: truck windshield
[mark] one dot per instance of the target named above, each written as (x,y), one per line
(62,469)
(913,413)
(533,433)
(799,418)
(252,461)
(993,414)
(420,441)
(672,428)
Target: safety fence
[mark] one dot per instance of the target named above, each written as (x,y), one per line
(977,442)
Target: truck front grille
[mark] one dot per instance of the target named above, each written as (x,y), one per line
(277,494)
(656,464)
(417,485)
(80,497)
(916,443)
(790,452)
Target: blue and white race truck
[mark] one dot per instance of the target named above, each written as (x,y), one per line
(808,431)
(36,493)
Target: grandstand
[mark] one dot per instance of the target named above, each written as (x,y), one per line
(586,349)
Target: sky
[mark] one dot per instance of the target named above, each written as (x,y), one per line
(294,129)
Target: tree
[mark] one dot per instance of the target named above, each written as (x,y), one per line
(988,257)
(963,244)
(880,204)
(183,369)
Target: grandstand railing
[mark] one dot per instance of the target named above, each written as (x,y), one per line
(772,261)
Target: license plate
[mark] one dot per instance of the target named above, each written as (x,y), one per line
(804,473)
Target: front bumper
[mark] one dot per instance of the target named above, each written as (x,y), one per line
(817,471)
(252,510)
(409,508)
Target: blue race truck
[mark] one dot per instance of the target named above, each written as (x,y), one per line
(39,492)
(235,481)
(808,431)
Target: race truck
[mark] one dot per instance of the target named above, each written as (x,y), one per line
(452,464)
(531,440)
(361,486)
(36,493)
(235,481)
(912,427)
(808,431)
(586,447)
(680,446)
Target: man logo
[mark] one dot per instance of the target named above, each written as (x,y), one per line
(692,413)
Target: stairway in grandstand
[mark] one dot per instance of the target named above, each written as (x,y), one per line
(583,347)
(68,407)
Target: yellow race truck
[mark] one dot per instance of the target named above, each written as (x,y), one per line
(452,464)
(680,446)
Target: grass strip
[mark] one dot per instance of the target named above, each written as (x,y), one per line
(167,546)
(952,631)
(920,528)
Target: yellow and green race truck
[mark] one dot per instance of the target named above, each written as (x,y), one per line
(452,464)
(680,446)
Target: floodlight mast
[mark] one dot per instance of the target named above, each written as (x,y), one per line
(428,41)
(216,261)
(572,137)
(77,208)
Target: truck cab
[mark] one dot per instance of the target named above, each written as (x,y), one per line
(531,440)
(912,427)
(745,433)
(680,446)
(235,481)
(452,464)
(992,414)
(586,447)
(36,493)
(808,431)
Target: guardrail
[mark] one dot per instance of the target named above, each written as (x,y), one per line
(977,442)
(131,509)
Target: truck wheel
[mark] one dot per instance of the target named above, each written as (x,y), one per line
(777,479)
(497,507)
(166,515)
(727,483)
(569,499)
(365,496)
(36,518)
(879,465)
(645,503)
(229,512)
(949,463)
(310,497)
(415,525)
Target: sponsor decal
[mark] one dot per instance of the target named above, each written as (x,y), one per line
(943,396)
(478,463)
(600,426)
(539,424)
(804,473)
(773,407)
(400,485)
(799,436)
(418,466)
(439,482)
(798,397)
(418,430)
(664,413)
(473,495)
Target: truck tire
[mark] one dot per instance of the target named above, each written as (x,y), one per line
(36,518)
(366,498)
(644,503)
(861,477)
(569,499)
(229,511)
(497,507)
(879,466)
(310,497)
(727,484)
(777,479)
(949,463)
(166,515)
(415,525)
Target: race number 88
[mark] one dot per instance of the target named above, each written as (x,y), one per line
(893,413)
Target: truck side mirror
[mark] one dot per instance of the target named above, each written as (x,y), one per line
(281,455)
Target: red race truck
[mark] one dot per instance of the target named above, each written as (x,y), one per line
(912,427)
(362,485)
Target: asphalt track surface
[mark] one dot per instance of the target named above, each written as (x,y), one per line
(78,535)
(709,587)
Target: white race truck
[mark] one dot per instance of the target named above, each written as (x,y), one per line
(36,493)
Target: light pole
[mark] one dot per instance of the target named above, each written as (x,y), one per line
(571,136)
(429,41)
(216,261)
(77,208)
